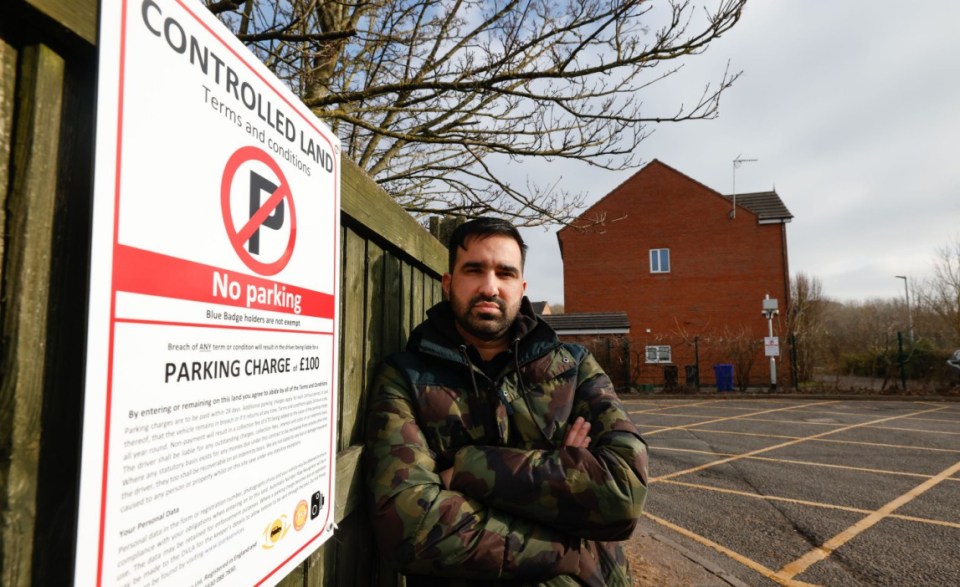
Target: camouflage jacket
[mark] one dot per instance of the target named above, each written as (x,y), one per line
(521,508)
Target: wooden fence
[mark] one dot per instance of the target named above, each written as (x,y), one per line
(390,271)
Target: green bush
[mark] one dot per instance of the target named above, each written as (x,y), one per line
(920,361)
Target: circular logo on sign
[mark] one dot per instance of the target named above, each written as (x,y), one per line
(300,515)
(274,532)
(258,210)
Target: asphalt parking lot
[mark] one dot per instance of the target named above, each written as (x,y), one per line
(809,492)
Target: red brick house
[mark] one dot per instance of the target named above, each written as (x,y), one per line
(690,269)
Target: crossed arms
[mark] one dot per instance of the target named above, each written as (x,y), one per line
(502,512)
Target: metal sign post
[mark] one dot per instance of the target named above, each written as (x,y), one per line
(771,343)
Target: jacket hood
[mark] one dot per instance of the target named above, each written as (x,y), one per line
(438,335)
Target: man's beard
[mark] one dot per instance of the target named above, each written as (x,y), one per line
(484,325)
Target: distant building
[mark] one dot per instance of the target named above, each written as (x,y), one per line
(606,334)
(541,308)
(689,269)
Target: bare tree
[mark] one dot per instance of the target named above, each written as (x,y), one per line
(433,97)
(940,295)
(862,338)
(741,348)
(806,323)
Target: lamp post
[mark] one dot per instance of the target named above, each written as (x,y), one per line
(906,293)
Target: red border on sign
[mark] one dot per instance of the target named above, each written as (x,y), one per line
(155,274)
(239,237)
(113,321)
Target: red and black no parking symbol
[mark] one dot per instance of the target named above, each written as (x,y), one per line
(275,213)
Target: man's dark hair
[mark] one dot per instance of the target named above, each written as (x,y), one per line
(482,228)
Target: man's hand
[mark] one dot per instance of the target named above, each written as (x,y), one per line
(446,476)
(577,434)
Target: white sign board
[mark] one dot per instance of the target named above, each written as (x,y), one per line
(210,409)
(771,346)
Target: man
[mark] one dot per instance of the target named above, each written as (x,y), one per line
(495,453)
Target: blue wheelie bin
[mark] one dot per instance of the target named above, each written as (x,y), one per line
(724,375)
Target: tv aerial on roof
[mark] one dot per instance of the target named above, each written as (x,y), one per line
(737,163)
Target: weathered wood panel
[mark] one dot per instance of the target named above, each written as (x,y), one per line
(390,268)
(386,306)
(367,204)
(373,338)
(8,77)
(392,313)
(406,304)
(417,304)
(78,16)
(30,206)
(352,326)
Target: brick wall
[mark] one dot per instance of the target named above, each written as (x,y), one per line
(721,269)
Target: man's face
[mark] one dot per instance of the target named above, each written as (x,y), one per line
(485,287)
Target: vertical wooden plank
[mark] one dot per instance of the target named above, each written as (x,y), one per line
(434,291)
(352,322)
(427,293)
(26,257)
(294,579)
(352,326)
(375,312)
(321,566)
(406,301)
(370,334)
(8,78)
(416,314)
(359,565)
(341,350)
(392,300)
(59,468)
(354,553)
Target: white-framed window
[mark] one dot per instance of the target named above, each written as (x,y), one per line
(658,354)
(659,260)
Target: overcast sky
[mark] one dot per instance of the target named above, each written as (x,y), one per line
(852,110)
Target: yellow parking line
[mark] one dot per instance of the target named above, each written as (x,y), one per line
(782,445)
(802,422)
(791,570)
(775,421)
(786,575)
(915,430)
(728,418)
(662,407)
(754,434)
(887,445)
(929,403)
(661,415)
(832,440)
(938,420)
(816,504)
(747,562)
(828,506)
(805,422)
(797,462)
(715,403)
